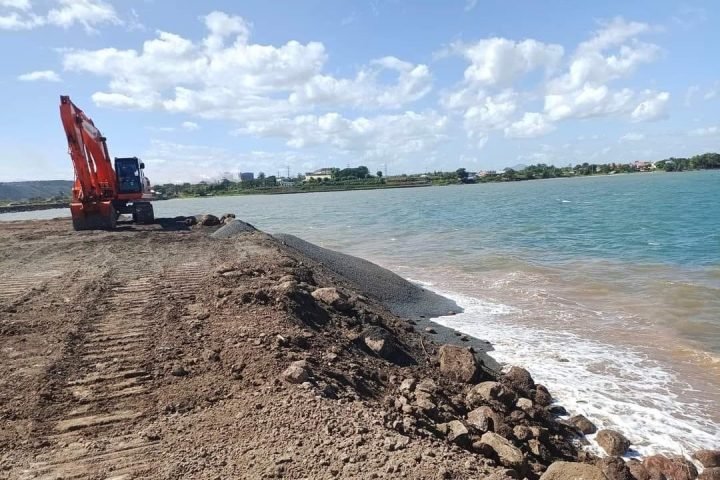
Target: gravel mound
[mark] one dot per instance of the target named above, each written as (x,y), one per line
(403,298)
(233,228)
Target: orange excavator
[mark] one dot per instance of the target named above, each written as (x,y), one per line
(100,193)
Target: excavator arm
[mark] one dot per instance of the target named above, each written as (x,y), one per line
(94,174)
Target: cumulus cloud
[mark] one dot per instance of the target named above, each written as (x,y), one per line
(611,53)
(587,101)
(42,75)
(531,125)
(23,5)
(499,61)
(652,108)
(226,76)
(575,87)
(413,83)
(491,113)
(384,135)
(65,14)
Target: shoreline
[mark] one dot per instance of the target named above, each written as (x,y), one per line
(239,335)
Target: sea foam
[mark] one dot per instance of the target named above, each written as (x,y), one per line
(614,386)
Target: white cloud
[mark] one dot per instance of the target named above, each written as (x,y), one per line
(632,137)
(88,13)
(225,76)
(499,61)
(190,126)
(613,52)
(15,21)
(42,75)
(413,83)
(392,136)
(493,112)
(16,4)
(470,5)
(653,108)
(581,89)
(705,131)
(65,14)
(531,125)
(587,101)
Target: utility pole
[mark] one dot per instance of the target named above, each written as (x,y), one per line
(288,171)
(386,170)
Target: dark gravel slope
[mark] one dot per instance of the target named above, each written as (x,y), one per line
(403,298)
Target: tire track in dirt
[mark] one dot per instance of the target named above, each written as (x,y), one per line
(99,433)
(17,285)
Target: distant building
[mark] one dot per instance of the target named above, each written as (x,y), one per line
(319,175)
(247,176)
(485,173)
(286,182)
(643,166)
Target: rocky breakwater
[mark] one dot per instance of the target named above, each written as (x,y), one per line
(404,402)
(422,390)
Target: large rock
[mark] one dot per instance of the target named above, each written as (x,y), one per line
(297,372)
(708,458)
(487,392)
(583,424)
(457,432)
(614,468)
(427,385)
(542,397)
(509,455)
(459,364)
(614,443)
(425,402)
(381,342)
(484,418)
(710,474)
(331,296)
(208,220)
(660,467)
(637,470)
(519,379)
(572,471)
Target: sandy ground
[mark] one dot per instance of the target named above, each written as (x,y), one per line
(158,352)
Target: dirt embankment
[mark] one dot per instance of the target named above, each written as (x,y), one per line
(160,352)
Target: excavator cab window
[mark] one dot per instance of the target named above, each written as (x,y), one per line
(128,175)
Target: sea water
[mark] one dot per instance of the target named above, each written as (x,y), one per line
(606,288)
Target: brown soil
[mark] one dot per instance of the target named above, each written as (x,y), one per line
(154,352)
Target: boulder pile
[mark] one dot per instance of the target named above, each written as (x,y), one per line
(352,349)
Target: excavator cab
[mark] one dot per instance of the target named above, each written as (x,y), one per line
(129,175)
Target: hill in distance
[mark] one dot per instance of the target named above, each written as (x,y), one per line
(40,190)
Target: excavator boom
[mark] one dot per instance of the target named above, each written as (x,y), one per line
(97,200)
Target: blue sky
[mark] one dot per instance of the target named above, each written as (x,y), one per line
(197,89)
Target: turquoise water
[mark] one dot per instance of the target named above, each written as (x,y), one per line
(606,288)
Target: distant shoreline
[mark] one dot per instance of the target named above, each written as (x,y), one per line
(28,207)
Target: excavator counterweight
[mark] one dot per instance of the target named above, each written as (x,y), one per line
(102,193)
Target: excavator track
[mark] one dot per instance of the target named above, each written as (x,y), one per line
(81,343)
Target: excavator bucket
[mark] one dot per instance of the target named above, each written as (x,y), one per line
(93,216)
